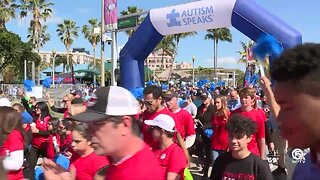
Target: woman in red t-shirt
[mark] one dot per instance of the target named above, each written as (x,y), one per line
(11,142)
(171,156)
(40,134)
(219,141)
(84,163)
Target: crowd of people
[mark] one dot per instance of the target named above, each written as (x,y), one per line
(113,135)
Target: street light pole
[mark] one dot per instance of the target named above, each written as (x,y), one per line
(102,72)
(113,58)
(53,65)
(193,59)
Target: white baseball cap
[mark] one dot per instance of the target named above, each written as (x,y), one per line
(109,101)
(5,102)
(162,121)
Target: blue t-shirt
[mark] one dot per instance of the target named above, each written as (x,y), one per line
(26,117)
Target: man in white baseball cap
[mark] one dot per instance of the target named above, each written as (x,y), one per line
(115,133)
(171,156)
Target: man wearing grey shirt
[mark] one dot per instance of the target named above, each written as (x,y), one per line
(189,105)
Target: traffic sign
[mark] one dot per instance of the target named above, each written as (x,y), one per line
(127,22)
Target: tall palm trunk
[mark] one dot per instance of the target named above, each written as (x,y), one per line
(215,55)
(71,66)
(38,49)
(173,60)
(94,65)
(33,65)
(67,59)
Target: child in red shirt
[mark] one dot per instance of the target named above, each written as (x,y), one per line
(85,164)
(53,139)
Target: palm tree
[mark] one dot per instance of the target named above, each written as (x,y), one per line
(166,46)
(40,10)
(244,51)
(67,31)
(176,38)
(41,40)
(132,10)
(93,38)
(7,11)
(219,34)
(62,59)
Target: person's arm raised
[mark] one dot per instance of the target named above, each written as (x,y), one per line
(271,101)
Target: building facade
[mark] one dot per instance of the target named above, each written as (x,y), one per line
(159,61)
(79,56)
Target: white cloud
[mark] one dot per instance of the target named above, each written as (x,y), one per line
(229,62)
(82,10)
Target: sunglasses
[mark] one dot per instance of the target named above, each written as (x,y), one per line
(149,103)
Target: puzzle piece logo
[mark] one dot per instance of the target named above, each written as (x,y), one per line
(172,17)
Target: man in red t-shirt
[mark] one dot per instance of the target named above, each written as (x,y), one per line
(115,134)
(258,143)
(153,99)
(183,120)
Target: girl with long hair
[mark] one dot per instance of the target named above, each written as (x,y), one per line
(84,163)
(11,142)
(53,147)
(219,141)
(40,134)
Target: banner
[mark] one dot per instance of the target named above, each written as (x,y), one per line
(110,14)
(250,57)
(194,16)
(248,75)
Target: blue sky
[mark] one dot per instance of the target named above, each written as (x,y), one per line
(302,15)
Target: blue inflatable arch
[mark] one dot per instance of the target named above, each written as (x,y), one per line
(244,15)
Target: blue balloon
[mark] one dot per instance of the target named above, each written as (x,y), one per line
(39,173)
(150,83)
(180,102)
(62,160)
(165,87)
(212,86)
(47,82)
(28,84)
(137,93)
(208,133)
(266,45)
